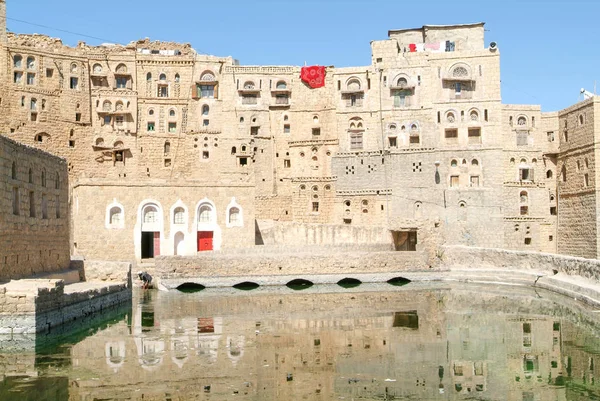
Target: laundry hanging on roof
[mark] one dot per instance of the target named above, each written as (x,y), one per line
(314,76)
(412,47)
(420,47)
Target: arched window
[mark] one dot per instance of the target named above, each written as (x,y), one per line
(100,142)
(116,216)
(73,68)
(106,105)
(18,61)
(549,174)
(450,117)
(33,104)
(233,150)
(353,84)
(167,147)
(44,178)
(454,163)
(149,77)
(177,78)
(249,85)
(207,76)
(97,68)
(30,63)
(521,121)
(523,197)
(563,174)
(30,176)
(402,82)
(281,85)
(121,69)
(179,216)
(205,214)
(119,106)
(162,77)
(57,181)
(150,215)
(172,113)
(205,110)
(13,173)
(460,72)
(474,162)
(474,115)
(234,215)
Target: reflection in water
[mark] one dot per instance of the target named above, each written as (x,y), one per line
(375,342)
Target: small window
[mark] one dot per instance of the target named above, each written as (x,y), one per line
(474,181)
(177,78)
(454,181)
(316,131)
(119,121)
(74,83)
(287,163)
(254,130)
(474,135)
(15,201)
(167,148)
(148,77)
(30,78)
(586,180)
(150,126)
(179,216)
(524,210)
(44,178)
(115,216)
(162,77)
(163,91)
(315,207)
(451,134)
(18,61)
(393,142)
(18,77)
(243,161)
(549,174)
(30,63)
(234,216)
(205,110)
(122,82)
(286,129)
(171,113)
(172,127)
(205,154)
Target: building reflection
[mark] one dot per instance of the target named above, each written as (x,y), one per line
(429,344)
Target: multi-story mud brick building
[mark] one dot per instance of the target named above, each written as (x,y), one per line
(172,152)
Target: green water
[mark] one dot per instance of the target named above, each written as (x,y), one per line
(371,342)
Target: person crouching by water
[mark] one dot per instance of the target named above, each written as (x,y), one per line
(146,279)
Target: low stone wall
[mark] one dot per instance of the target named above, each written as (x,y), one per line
(169,269)
(37,306)
(295,234)
(478,258)
(103,271)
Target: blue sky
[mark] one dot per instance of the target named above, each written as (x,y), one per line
(548,48)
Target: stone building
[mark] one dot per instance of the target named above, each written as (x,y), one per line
(33,211)
(418,143)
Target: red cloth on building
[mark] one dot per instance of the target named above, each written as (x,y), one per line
(314,76)
(412,47)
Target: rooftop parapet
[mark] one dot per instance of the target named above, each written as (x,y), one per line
(440,38)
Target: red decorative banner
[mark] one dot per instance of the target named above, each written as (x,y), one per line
(314,76)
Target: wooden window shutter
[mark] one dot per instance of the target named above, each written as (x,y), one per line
(216,91)
(129,83)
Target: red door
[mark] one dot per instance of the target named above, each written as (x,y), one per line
(205,241)
(157,244)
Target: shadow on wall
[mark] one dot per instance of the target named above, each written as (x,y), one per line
(258,239)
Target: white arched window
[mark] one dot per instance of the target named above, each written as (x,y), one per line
(179,216)
(115,216)
(234,215)
(150,215)
(205,214)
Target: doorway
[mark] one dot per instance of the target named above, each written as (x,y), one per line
(205,241)
(405,240)
(150,244)
(179,244)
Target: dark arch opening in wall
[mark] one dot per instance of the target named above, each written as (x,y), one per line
(299,284)
(398,281)
(349,282)
(190,287)
(246,286)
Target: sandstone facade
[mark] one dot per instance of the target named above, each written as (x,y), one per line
(413,142)
(34,218)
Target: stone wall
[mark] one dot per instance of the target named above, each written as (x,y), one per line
(499,259)
(34,211)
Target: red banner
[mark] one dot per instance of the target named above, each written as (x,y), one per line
(314,76)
